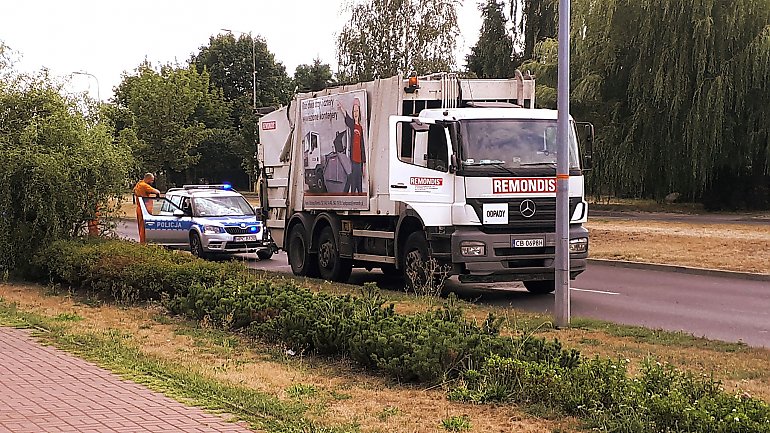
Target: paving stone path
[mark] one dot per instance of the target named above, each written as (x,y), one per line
(46,390)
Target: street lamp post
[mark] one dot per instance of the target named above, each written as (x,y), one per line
(562,304)
(98,92)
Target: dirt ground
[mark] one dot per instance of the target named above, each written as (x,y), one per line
(732,247)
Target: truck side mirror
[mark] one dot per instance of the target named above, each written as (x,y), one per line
(453,163)
(588,162)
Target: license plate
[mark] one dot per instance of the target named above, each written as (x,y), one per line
(245,238)
(528,243)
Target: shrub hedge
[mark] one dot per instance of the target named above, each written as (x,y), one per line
(659,399)
(426,347)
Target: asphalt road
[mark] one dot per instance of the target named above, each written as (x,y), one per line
(716,307)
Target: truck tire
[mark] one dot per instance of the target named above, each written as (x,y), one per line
(265,254)
(415,259)
(196,246)
(302,263)
(331,266)
(540,287)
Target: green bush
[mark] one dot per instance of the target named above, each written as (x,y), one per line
(423,347)
(426,347)
(126,270)
(660,399)
(57,165)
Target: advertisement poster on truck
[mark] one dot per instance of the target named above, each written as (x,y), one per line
(335,151)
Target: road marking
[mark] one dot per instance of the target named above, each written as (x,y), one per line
(594,291)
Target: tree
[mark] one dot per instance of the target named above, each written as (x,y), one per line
(173,111)
(57,166)
(315,77)
(493,55)
(534,21)
(229,63)
(679,93)
(386,37)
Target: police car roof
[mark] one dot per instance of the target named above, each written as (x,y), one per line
(203,191)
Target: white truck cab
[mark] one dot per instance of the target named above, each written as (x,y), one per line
(461,173)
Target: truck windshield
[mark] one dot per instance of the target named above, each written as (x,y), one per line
(221,206)
(513,143)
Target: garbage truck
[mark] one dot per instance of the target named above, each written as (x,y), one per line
(417,174)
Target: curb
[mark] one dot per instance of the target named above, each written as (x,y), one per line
(681,269)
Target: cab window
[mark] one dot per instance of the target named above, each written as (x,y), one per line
(423,148)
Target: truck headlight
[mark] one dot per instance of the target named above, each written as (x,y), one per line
(473,249)
(210,230)
(578,245)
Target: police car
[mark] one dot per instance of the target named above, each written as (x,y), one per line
(207,220)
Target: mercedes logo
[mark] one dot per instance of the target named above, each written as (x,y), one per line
(527,208)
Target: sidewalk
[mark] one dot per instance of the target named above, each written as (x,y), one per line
(43,389)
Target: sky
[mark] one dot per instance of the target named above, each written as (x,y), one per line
(105,38)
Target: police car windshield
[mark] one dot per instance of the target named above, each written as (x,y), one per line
(221,206)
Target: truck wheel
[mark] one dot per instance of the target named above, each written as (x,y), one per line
(265,254)
(301,262)
(331,266)
(540,287)
(415,260)
(196,246)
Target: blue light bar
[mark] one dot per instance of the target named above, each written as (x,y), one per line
(227,186)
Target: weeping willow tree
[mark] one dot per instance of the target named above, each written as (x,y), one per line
(534,21)
(679,92)
(385,37)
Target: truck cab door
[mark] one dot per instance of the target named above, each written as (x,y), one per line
(164,222)
(420,160)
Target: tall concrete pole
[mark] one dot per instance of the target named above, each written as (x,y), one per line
(562,307)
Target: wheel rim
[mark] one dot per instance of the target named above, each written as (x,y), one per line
(414,267)
(196,246)
(326,254)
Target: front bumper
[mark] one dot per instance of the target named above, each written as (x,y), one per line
(503,262)
(231,244)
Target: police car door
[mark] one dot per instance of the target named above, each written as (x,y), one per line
(164,222)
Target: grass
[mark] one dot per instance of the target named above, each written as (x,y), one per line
(733,247)
(642,205)
(456,423)
(229,373)
(114,350)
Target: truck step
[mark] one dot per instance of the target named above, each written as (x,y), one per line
(374,258)
(374,234)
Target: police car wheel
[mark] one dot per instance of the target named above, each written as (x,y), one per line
(266,254)
(196,246)
(540,287)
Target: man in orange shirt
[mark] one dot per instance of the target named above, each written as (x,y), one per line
(141,190)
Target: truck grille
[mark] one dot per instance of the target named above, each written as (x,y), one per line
(544,219)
